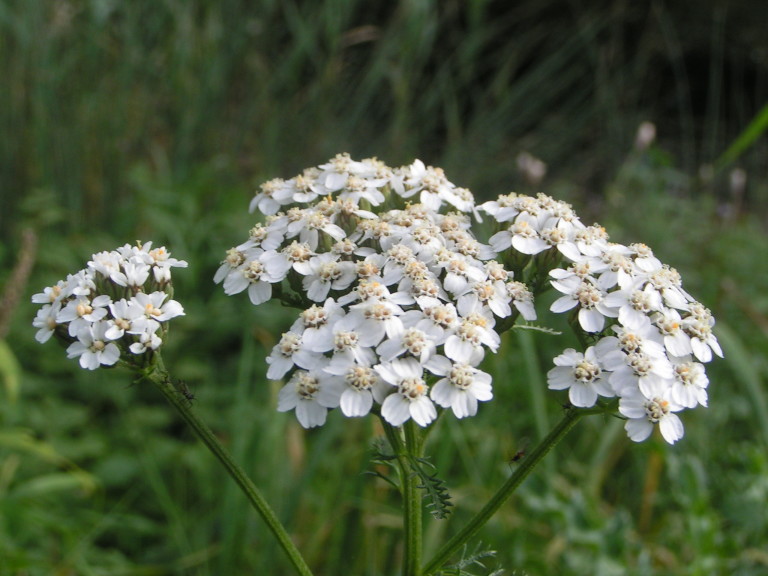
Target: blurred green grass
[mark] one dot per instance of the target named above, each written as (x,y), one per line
(142,120)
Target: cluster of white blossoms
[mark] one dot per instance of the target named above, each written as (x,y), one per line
(651,337)
(116,308)
(402,301)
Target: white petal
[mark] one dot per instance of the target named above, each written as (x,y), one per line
(582,395)
(671,428)
(355,403)
(638,429)
(395,409)
(423,411)
(310,414)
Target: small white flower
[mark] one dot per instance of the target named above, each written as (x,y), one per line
(81,312)
(148,339)
(324,273)
(467,344)
(635,305)
(363,386)
(486,294)
(698,325)
(591,302)
(378,318)
(93,348)
(316,325)
(310,394)
(639,369)
(689,387)
(156,308)
(582,375)
(257,273)
(522,299)
(50,294)
(644,413)
(287,353)
(46,321)
(411,400)
(461,389)
(414,341)
(127,316)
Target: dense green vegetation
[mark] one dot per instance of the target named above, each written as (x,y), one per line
(156,120)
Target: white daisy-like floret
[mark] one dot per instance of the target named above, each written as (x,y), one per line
(290,352)
(82,312)
(128,316)
(411,398)
(522,299)
(430,183)
(690,382)
(79,284)
(644,259)
(582,375)
(643,414)
(462,274)
(670,325)
(503,209)
(256,274)
(307,224)
(467,344)
(325,272)
(590,299)
(93,348)
(45,321)
(668,282)
(148,339)
(316,325)
(367,189)
(50,294)
(462,387)
(157,306)
(698,325)
(110,265)
(363,385)
(652,375)
(635,304)
(412,341)
(264,237)
(489,294)
(379,318)
(310,393)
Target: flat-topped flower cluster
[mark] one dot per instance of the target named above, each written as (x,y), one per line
(115,309)
(401,300)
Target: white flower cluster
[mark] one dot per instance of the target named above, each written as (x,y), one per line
(119,303)
(402,298)
(651,337)
(402,301)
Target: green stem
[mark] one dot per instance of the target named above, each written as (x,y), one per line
(412,504)
(161,379)
(408,446)
(527,464)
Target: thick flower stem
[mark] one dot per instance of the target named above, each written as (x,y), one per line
(527,464)
(412,504)
(161,379)
(407,448)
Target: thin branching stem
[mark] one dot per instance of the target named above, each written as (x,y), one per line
(163,382)
(571,417)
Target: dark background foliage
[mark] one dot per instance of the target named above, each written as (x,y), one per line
(158,120)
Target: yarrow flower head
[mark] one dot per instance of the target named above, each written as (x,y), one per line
(116,309)
(402,301)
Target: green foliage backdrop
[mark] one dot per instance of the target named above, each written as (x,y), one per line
(156,120)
